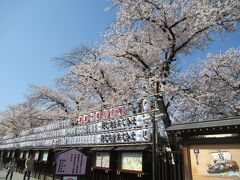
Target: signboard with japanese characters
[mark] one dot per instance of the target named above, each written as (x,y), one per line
(215,161)
(71,162)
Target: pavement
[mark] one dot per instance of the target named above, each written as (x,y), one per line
(16,175)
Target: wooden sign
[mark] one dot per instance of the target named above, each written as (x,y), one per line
(71,162)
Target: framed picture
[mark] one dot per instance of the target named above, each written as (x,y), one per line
(102,160)
(131,161)
(220,161)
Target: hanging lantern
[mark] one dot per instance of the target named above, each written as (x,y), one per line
(105,114)
(79,120)
(120,111)
(139,135)
(112,112)
(146,134)
(97,116)
(139,120)
(149,104)
(98,138)
(91,117)
(85,117)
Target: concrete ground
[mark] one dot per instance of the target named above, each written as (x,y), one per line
(18,176)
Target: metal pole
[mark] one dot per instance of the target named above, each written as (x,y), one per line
(153,147)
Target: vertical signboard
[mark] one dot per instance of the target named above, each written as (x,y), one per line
(71,162)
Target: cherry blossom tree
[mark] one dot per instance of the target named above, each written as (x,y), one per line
(89,83)
(19,117)
(210,89)
(151,36)
(96,81)
(55,103)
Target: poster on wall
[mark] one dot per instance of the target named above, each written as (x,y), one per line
(102,159)
(45,156)
(131,161)
(215,161)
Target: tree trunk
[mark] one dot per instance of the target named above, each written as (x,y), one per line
(166,121)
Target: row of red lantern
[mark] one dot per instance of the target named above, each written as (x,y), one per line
(104,114)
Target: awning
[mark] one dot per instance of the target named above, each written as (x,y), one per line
(102,148)
(131,148)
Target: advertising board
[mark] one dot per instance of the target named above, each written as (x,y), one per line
(131,161)
(215,161)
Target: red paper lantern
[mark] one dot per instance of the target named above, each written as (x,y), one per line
(85,117)
(105,114)
(79,120)
(97,115)
(112,112)
(120,111)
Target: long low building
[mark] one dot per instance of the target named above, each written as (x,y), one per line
(116,145)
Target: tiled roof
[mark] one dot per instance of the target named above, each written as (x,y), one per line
(233,121)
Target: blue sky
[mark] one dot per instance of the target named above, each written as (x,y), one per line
(32,32)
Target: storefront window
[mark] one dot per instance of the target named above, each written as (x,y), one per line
(131,161)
